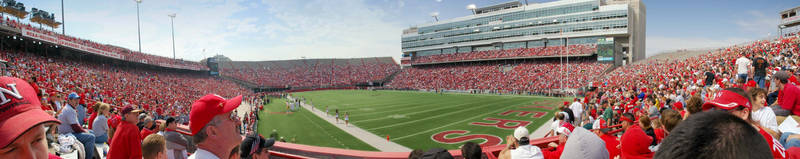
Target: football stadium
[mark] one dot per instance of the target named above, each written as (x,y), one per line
(500,80)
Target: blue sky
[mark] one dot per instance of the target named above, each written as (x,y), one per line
(290,29)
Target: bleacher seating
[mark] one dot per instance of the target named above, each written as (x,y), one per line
(534,77)
(151,89)
(582,49)
(126,54)
(311,72)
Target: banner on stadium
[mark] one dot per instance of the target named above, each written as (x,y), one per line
(66,43)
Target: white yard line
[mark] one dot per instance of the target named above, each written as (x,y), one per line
(373,140)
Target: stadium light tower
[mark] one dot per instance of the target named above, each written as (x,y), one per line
(435,16)
(171,21)
(472,7)
(138,26)
(63,30)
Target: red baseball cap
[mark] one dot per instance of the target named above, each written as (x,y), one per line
(20,109)
(727,100)
(205,108)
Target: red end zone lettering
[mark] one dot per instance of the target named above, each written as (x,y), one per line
(536,114)
(503,123)
(488,140)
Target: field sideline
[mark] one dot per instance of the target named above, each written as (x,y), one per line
(305,128)
(422,120)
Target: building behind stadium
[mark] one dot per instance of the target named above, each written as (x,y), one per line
(789,21)
(616,27)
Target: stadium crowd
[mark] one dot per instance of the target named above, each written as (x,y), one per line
(524,77)
(725,104)
(162,92)
(729,103)
(126,54)
(581,49)
(310,73)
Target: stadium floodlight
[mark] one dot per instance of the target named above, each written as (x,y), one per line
(138,25)
(63,30)
(171,21)
(472,7)
(435,16)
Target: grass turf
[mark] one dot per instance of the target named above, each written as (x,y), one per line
(306,128)
(412,118)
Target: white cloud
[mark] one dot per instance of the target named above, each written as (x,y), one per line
(438,0)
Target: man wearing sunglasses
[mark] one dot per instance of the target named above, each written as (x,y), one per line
(255,147)
(213,126)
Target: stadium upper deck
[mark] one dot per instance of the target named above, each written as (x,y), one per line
(615,26)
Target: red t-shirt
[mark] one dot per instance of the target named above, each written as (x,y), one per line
(91,119)
(553,153)
(126,142)
(145,132)
(659,134)
(114,121)
(777,149)
(611,145)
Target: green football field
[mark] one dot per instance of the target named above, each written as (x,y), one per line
(417,120)
(305,128)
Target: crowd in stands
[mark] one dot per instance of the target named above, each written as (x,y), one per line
(724,104)
(581,49)
(163,93)
(533,77)
(728,103)
(311,72)
(125,54)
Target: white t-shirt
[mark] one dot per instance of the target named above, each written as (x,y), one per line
(766,117)
(527,152)
(555,126)
(742,65)
(577,110)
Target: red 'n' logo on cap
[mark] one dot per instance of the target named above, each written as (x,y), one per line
(13,92)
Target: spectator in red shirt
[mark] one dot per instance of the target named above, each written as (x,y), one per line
(634,142)
(126,142)
(95,112)
(22,126)
(149,127)
(788,102)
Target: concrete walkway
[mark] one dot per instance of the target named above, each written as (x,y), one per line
(376,141)
(542,130)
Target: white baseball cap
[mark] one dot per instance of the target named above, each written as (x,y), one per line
(520,132)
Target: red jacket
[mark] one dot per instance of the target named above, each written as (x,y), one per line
(126,142)
(788,98)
